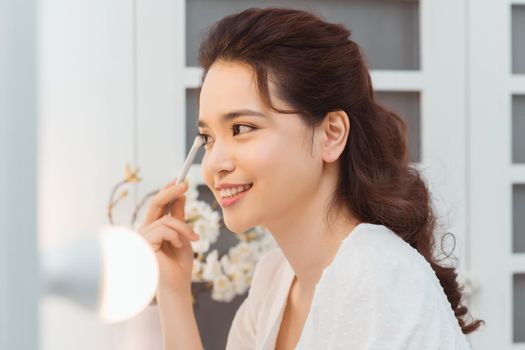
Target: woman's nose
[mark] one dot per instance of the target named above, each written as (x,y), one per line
(218,158)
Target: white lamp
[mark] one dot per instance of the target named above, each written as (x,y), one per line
(114,274)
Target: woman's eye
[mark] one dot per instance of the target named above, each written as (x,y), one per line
(241,125)
(234,128)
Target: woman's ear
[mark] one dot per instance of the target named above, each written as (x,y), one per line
(334,134)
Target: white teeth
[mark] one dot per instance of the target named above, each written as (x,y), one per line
(232,191)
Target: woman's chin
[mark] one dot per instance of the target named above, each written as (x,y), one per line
(236,226)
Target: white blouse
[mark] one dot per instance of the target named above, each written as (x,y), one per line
(377,293)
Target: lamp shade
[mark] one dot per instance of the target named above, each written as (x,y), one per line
(114,273)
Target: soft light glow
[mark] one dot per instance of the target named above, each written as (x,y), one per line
(130,275)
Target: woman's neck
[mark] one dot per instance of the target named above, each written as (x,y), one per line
(310,246)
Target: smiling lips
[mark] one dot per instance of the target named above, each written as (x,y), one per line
(233,190)
(229,197)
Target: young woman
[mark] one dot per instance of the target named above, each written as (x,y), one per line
(289,117)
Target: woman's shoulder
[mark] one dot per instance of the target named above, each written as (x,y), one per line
(378,281)
(384,252)
(377,261)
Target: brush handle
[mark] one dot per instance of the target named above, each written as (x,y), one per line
(197,143)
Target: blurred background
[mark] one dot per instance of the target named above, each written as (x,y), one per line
(87,87)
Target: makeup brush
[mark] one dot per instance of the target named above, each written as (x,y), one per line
(197,143)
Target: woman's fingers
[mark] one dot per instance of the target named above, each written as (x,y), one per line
(158,235)
(158,227)
(162,198)
(177,225)
(168,194)
(171,183)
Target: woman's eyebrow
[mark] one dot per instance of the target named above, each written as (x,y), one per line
(233,115)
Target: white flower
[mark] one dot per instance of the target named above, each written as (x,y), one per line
(191,210)
(192,193)
(239,280)
(207,229)
(204,221)
(200,246)
(197,270)
(222,289)
(240,252)
(212,256)
(247,266)
(213,268)
(226,265)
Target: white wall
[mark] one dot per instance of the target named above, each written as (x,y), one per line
(85,139)
(18,225)
(88,129)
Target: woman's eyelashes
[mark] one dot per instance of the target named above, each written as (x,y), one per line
(233,128)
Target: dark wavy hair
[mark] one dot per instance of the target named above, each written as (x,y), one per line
(316,68)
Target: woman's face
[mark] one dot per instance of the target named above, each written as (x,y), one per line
(272,151)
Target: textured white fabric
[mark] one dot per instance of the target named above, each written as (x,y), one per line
(377,293)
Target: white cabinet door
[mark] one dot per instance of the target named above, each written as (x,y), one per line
(496,90)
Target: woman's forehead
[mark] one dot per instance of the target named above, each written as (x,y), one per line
(229,87)
(230,76)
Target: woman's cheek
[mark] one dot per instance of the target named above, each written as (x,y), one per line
(261,156)
(268,149)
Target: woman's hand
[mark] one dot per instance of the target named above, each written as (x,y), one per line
(170,236)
